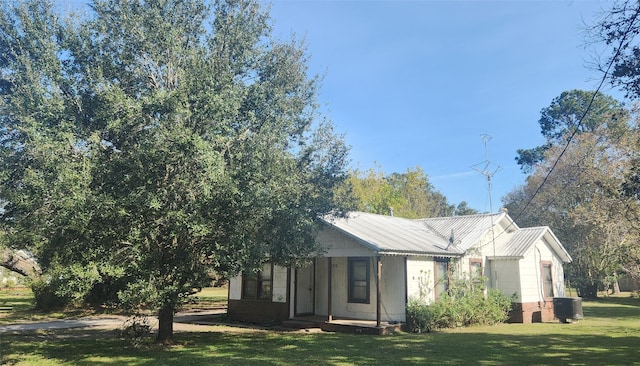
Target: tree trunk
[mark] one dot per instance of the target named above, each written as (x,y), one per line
(165,325)
(616,287)
(19,261)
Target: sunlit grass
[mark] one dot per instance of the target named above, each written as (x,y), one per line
(609,334)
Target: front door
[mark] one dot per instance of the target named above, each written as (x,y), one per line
(304,290)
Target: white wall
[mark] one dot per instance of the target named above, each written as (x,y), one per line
(321,286)
(235,288)
(279,284)
(341,245)
(420,278)
(531,267)
(392,300)
(507,276)
(558,277)
(393,289)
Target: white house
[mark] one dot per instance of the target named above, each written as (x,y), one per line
(374,264)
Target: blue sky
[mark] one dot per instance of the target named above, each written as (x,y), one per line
(419,82)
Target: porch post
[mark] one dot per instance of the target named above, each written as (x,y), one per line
(378,291)
(329,310)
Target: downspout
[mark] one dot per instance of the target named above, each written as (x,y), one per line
(406,283)
(539,275)
(378,291)
(329,310)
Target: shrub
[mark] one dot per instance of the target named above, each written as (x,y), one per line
(135,330)
(45,295)
(418,316)
(463,305)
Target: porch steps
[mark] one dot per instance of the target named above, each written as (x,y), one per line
(347,327)
(340,325)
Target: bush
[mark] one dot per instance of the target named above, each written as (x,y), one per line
(419,316)
(135,330)
(46,297)
(462,305)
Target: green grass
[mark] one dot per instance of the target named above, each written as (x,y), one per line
(609,335)
(209,297)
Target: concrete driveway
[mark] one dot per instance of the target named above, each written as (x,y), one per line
(205,317)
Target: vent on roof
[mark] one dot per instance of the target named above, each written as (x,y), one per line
(452,240)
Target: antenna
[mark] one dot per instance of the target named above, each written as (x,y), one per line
(487,169)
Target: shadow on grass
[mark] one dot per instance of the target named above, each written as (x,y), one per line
(610,334)
(331,348)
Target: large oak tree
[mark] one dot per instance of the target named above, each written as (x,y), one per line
(151,142)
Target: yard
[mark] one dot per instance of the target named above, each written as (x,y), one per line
(609,334)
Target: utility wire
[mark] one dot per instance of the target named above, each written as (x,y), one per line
(586,112)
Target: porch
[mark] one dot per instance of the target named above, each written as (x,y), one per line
(342,325)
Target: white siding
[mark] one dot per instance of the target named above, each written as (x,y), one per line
(392,300)
(340,245)
(420,278)
(558,277)
(393,289)
(235,288)
(279,284)
(321,286)
(505,276)
(531,268)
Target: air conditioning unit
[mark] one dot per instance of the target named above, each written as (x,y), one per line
(565,308)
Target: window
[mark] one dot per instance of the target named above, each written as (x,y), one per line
(441,275)
(257,286)
(475,271)
(359,280)
(547,279)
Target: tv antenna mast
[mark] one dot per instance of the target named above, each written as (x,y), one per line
(487,168)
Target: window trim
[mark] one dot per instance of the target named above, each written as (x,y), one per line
(447,261)
(472,273)
(475,276)
(350,280)
(258,285)
(543,265)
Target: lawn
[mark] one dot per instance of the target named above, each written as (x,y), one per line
(609,334)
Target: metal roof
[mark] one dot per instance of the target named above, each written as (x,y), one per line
(518,243)
(397,236)
(393,235)
(467,230)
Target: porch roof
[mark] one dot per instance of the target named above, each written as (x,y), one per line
(388,235)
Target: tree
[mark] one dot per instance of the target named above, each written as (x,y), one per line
(408,194)
(582,202)
(463,209)
(142,148)
(618,27)
(574,111)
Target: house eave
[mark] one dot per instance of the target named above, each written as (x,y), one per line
(418,254)
(506,257)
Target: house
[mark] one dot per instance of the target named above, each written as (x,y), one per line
(374,264)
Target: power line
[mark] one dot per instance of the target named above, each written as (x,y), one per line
(586,112)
